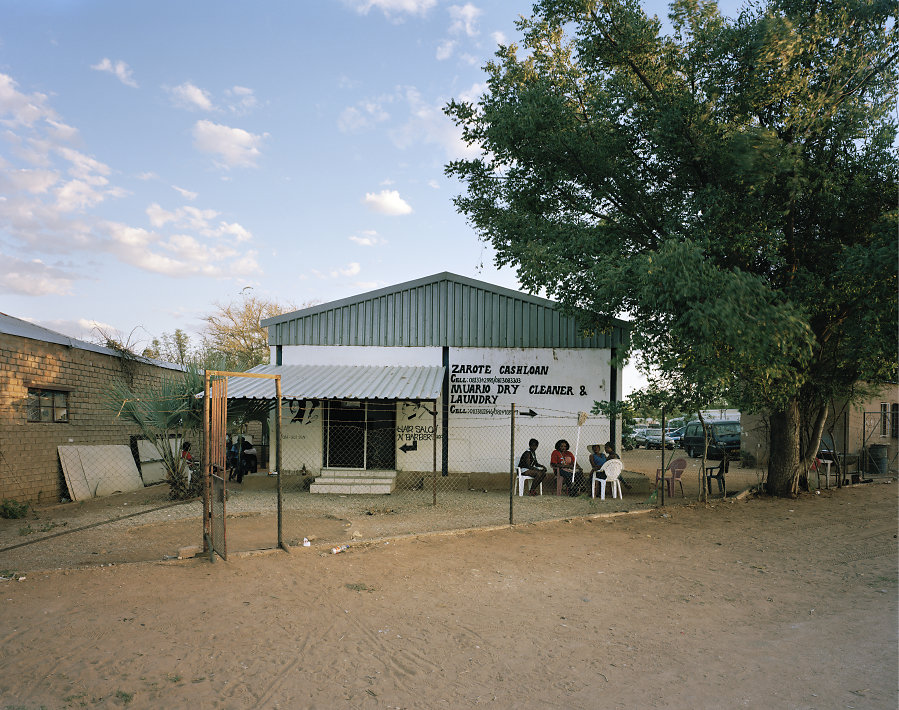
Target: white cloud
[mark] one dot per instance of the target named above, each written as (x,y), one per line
(387,202)
(499,37)
(184,217)
(351,269)
(78,195)
(362,116)
(243,99)
(18,109)
(36,182)
(83,166)
(345,82)
(191,97)
(178,255)
(197,220)
(49,192)
(464,19)
(391,8)
(445,49)
(61,131)
(233,229)
(367,238)
(434,184)
(234,147)
(118,69)
(33,278)
(186,194)
(428,124)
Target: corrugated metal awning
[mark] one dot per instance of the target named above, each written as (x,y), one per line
(341,382)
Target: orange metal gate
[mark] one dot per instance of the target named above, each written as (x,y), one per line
(215,425)
(215,430)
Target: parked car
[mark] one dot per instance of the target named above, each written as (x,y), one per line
(639,436)
(654,439)
(724,436)
(675,436)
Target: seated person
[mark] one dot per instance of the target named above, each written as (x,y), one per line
(610,454)
(530,467)
(247,458)
(187,456)
(232,459)
(565,465)
(597,458)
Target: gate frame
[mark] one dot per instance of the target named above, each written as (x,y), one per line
(209,430)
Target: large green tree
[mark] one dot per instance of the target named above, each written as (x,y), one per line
(730,187)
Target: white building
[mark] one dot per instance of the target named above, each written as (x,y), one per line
(423,376)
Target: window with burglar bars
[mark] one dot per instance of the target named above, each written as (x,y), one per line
(48,406)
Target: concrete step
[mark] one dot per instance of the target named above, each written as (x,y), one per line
(353,489)
(355,481)
(355,473)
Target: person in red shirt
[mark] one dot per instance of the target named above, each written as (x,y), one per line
(565,465)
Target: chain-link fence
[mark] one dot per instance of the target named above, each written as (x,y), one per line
(361,470)
(878,452)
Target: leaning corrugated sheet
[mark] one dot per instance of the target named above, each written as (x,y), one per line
(341,382)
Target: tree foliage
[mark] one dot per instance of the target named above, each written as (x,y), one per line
(233,339)
(166,410)
(730,188)
(234,331)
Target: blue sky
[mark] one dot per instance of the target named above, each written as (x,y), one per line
(158,157)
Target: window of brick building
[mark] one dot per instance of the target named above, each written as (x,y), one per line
(48,406)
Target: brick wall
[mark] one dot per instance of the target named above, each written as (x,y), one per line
(848,423)
(29,464)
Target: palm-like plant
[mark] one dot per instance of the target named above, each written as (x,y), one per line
(169,409)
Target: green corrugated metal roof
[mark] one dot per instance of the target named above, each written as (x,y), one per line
(444,309)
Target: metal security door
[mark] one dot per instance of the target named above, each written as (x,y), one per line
(345,434)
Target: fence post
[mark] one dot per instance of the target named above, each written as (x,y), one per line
(206,467)
(663,482)
(512,470)
(278,459)
(434,463)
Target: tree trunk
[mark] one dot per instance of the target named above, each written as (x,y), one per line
(784,463)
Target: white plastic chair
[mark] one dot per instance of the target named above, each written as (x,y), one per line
(522,478)
(612,469)
(817,465)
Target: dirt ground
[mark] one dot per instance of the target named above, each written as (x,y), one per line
(757,603)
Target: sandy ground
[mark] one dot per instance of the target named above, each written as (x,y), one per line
(757,603)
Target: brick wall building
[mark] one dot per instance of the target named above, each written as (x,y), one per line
(851,430)
(52,393)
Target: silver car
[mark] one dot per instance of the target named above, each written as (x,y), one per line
(654,439)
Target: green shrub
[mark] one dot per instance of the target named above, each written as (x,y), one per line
(11,509)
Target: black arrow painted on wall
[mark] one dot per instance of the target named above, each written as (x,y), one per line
(406,448)
(529,413)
